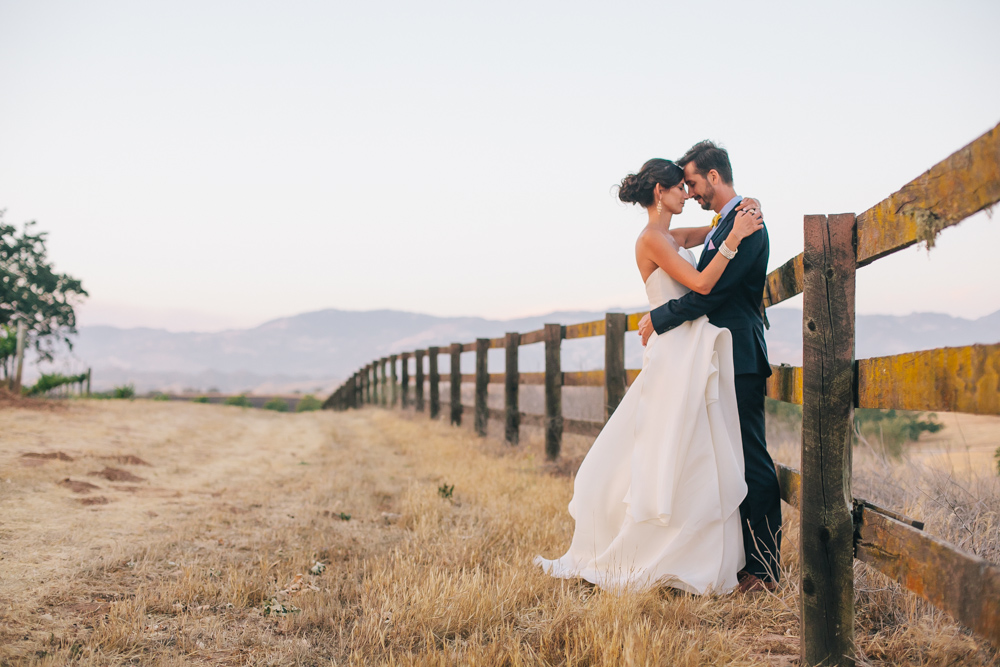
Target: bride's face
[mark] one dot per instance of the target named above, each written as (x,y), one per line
(673,198)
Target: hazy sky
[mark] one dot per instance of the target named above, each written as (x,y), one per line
(201,165)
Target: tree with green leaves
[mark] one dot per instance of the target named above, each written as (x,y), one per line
(31,291)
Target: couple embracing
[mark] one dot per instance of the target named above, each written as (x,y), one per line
(679,489)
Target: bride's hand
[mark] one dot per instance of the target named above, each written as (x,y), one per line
(747,222)
(748,202)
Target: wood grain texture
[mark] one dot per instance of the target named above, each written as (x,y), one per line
(455,407)
(537,336)
(785,384)
(615,380)
(964,585)
(404,380)
(784,282)
(418,380)
(584,329)
(947,379)
(512,421)
(964,183)
(826,523)
(482,381)
(434,378)
(393,381)
(553,390)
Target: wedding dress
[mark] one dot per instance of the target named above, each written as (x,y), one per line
(656,499)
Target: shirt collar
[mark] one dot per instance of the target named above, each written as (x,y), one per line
(728,208)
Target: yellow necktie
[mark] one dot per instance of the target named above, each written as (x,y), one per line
(715,220)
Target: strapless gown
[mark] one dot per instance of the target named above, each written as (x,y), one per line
(656,500)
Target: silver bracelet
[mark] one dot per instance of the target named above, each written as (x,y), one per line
(726,252)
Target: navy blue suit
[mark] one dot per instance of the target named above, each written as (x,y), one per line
(734,303)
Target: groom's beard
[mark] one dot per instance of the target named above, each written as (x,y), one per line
(706,199)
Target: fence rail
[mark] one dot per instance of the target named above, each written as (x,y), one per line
(836,528)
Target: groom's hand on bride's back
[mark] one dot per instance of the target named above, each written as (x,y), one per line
(645,329)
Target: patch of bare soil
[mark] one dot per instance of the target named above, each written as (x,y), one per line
(8,399)
(116,475)
(127,459)
(77,486)
(60,456)
(96,500)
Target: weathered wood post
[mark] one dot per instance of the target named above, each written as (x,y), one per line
(512,381)
(553,390)
(419,380)
(404,380)
(393,382)
(456,384)
(357,389)
(88,381)
(615,380)
(383,393)
(435,379)
(482,382)
(827,528)
(370,382)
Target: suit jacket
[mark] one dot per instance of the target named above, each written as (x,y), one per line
(734,302)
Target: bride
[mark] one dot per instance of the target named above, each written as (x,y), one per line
(656,500)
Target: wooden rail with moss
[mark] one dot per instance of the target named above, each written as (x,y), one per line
(836,528)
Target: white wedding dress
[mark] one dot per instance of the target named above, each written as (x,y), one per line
(656,500)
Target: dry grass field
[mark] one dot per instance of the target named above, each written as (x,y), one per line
(157,533)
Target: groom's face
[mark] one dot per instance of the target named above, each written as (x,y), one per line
(698,186)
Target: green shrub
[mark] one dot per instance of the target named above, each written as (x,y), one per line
(888,430)
(160,396)
(124,391)
(49,381)
(240,400)
(308,403)
(277,404)
(200,399)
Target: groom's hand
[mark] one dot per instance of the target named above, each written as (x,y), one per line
(645,328)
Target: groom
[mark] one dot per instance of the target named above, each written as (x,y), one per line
(734,303)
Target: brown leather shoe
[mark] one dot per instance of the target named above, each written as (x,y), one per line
(751,583)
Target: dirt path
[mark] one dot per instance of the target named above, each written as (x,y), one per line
(227,536)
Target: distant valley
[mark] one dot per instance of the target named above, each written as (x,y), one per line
(313,352)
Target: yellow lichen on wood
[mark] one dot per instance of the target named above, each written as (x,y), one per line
(784,282)
(950,379)
(966,182)
(633,321)
(584,329)
(584,379)
(785,384)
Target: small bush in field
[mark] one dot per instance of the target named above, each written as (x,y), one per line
(161,397)
(308,403)
(889,430)
(445,491)
(200,399)
(277,404)
(241,401)
(124,391)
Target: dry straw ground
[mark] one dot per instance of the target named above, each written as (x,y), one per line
(165,534)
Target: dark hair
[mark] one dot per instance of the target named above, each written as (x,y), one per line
(638,188)
(707,156)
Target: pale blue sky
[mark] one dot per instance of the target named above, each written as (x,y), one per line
(211,164)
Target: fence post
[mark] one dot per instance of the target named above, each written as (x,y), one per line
(383,394)
(456,384)
(553,390)
(435,379)
(827,528)
(368,383)
(419,380)
(482,382)
(393,383)
(511,384)
(615,381)
(404,380)
(88,381)
(357,390)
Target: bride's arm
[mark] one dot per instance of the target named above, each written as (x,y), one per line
(657,249)
(689,237)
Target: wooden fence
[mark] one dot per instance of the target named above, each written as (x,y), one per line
(836,526)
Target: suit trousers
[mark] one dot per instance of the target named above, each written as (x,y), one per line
(760,511)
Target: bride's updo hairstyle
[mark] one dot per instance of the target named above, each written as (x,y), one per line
(638,188)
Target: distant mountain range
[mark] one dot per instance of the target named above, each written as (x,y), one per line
(315,351)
